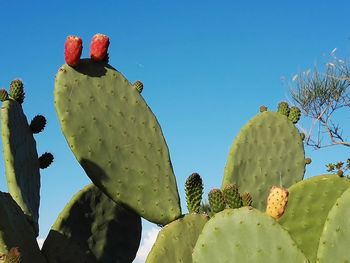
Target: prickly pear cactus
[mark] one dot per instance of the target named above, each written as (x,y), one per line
(93,228)
(335,238)
(16,232)
(267,151)
(245,235)
(176,240)
(21,160)
(117,139)
(216,200)
(232,197)
(309,203)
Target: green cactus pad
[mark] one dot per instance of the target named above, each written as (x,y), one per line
(335,238)
(93,228)
(267,151)
(216,200)
(245,235)
(194,192)
(45,160)
(232,197)
(17,232)
(21,160)
(117,139)
(176,240)
(309,202)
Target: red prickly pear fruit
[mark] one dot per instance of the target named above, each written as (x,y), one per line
(99,46)
(72,50)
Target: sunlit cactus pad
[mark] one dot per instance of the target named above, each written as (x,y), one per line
(117,139)
(245,235)
(176,240)
(93,228)
(309,203)
(268,151)
(17,232)
(335,239)
(21,160)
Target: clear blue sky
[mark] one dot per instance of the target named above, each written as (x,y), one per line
(206,67)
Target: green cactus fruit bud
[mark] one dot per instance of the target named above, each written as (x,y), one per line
(302,136)
(247,199)
(17,90)
(232,197)
(3,95)
(138,85)
(262,108)
(14,256)
(283,108)
(216,200)
(45,160)
(294,114)
(277,202)
(38,124)
(308,160)
(194,192)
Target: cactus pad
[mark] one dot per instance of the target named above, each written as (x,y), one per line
(38,124)
(21,160)
(16,232)
(245,235)
(194,192)
(93,228)
(117,139)
(309,202)
(176,240)
(335,238)
(267,151)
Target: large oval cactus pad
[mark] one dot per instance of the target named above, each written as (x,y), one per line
(245,235)
(309,202)
(335,238)
(17,232)
(93,228)
(21,160)
(176,240)
(267,151)
(117,139)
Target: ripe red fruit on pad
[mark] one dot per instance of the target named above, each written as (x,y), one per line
(72,50)
(99,46)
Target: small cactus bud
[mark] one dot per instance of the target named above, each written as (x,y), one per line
(283,108)
(247,199)
(232,197)
(262,108)
(17,90)
(294,114)
(277,202)
(37,124)
(308,160)
(45,160)
(3,95)
(340,173)
(302,136)
(216,200)
(138,85)
(194,192)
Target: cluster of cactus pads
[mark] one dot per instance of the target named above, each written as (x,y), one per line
(263,212)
